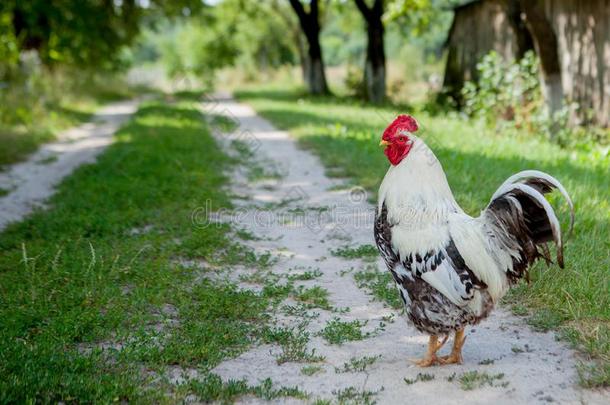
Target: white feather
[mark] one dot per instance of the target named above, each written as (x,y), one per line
(418,199)
(445,280)
(471,241)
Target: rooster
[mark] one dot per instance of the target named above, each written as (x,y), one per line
(450,268)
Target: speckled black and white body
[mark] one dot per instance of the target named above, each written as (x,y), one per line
(428,309)
(449,267)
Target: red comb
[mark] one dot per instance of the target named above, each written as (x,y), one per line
(402,123)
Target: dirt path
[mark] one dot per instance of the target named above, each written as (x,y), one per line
(303,216)
(31,182)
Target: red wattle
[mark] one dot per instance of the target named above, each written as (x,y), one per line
(396,152)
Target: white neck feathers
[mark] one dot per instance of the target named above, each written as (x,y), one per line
(417,188)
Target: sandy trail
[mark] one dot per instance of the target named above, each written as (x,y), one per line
(534,367)
(31,182)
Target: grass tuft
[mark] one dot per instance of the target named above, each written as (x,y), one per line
(474,379)
(338,332)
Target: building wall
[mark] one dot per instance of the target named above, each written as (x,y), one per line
(583,35)
(582,28)
(477,29)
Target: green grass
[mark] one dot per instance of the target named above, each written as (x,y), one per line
(61,100)
(357,364)
(345,134)
(474,379)
(360,252)
(311,370)
(212,388)
(420,377)
(337,332)
(293,342)
(314,297)
(92,312)
(355,396)
(380,285)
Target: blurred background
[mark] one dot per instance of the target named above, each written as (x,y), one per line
(540,68)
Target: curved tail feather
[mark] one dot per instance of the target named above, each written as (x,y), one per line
(523,221)
(544,183)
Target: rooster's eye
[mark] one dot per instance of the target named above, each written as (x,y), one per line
(402,138)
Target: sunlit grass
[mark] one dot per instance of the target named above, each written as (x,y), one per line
(94,304)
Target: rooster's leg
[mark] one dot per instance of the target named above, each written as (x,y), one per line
(456,353)
(430,358)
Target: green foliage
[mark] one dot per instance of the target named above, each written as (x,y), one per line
(360,252)
(508,95)
(313,297)
(474,379)
(337,332)
(358,365)
(9,49)
(293,342)
(212,388)
(354,82)
(250,35)
(85,33)
(420,377)
(38,102)
(380,285)
(355,396)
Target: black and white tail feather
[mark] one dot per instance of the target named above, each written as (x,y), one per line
(522,220)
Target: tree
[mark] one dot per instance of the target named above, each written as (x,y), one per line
(310,25)
(375,64)
(545,42)
(296,34)
(86,33)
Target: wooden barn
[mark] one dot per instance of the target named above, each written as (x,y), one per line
(571,38)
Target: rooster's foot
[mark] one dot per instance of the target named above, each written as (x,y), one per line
(427,361)
(430,359)
(456,352)
(453,358)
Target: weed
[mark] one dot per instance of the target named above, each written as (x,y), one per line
(338,332)
(293,342)
(474,379)
(306,275)
(212,388)
(314,297)
(311,370)
(354,396)
(356,365)
(360,252)
(380,285)
(420,377)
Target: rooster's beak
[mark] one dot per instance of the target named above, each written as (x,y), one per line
(384,143)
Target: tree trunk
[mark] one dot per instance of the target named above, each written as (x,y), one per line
(313,69)
(375,63)
(545,42)
(303,56)
(524,38)
(316,78)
